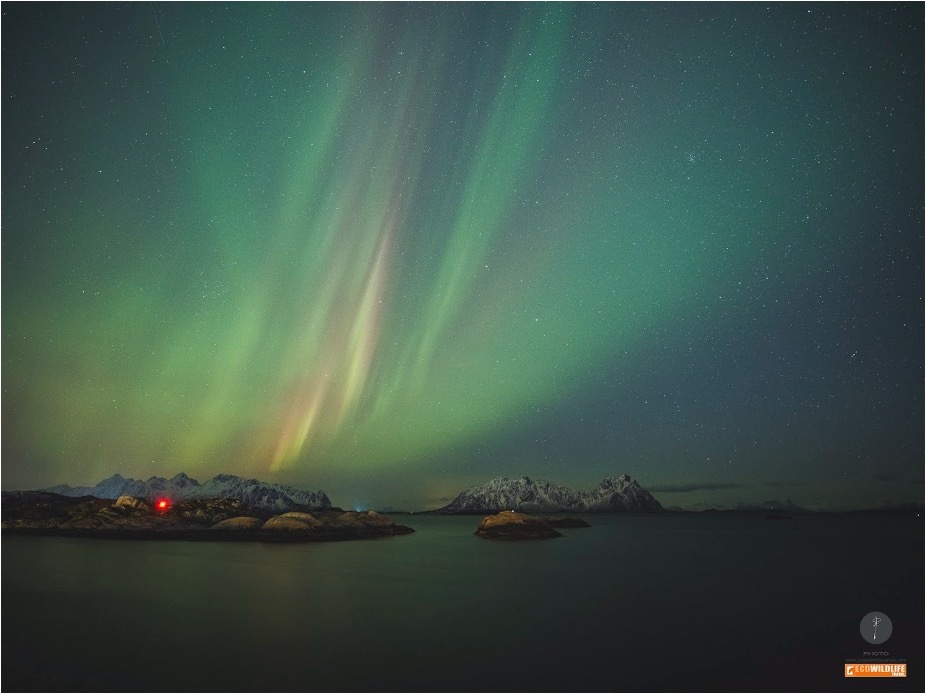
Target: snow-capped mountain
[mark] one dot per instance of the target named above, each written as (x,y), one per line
(620,494)
(526,495)
(181,487)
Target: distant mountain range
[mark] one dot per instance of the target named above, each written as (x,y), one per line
(787,506)
(181,487)
(526,495)
(773,505)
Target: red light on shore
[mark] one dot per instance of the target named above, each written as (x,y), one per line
(163,504)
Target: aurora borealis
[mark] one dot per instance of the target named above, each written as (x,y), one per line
(392,250)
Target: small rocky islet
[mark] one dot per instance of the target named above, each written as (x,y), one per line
(511,525)
(128,517)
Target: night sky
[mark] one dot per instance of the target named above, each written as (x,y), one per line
(393,250)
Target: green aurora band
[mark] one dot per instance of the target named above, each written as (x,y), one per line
(353,237)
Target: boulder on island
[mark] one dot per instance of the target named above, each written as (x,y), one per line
(511,525)
(238,523)
(306,518)
(287,523)
(130,502)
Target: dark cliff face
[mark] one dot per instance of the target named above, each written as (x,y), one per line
(541,496)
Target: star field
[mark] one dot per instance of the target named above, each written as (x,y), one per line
(393,250)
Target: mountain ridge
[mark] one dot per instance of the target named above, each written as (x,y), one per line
(613,494)
(181,487)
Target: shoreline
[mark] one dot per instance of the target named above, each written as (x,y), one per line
(213,534)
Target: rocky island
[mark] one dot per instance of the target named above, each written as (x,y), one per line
(511,525)
(133,518)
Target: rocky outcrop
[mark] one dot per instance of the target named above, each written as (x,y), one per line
(47,510)
(618,494)
(306,518)
(284,524)
(126,513)
(131,503)
(511,525)
(332,524)
(251,492)
(211,511)
(361,519)
(239,523)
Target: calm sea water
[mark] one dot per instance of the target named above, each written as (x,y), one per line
(651,602)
